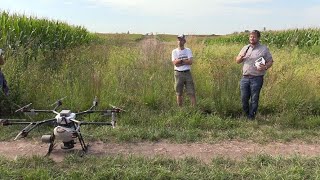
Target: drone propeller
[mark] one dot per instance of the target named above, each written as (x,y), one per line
(22,133)
(94,103)
(117,108)
(58,102)
(22,109)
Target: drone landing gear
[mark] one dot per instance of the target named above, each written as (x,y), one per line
(51,146)
(49,139)
(83,144)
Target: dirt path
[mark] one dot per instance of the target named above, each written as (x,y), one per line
(202,151)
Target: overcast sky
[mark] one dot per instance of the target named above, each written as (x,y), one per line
(173,16)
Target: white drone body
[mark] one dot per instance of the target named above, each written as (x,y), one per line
(65,131)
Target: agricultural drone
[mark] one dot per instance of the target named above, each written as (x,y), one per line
(66,126)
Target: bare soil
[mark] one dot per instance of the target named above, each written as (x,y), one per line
(202,151)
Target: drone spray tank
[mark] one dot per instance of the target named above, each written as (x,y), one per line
(65,130)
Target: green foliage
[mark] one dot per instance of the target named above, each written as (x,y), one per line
(39,35)
(284,38)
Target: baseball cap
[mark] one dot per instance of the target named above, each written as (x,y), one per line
(182,36)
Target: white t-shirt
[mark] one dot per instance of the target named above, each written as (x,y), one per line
(182,55)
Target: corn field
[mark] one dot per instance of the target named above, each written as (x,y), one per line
(20,31)
(31,43)
(292,38)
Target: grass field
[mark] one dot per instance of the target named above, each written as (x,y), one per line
(119,167)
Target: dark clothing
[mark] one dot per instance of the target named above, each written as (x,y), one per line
(250,86)
(3,84)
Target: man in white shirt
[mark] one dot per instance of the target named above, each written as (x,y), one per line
(182,61)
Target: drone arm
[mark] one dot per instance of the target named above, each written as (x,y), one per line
(39,111)
(107,111)
(91,108)
(46,121)
(96,123)
(85,112)
(7,122)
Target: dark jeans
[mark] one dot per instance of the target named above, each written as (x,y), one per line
(250,90)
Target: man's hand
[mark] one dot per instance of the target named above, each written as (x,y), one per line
(262,67)
(177,62)
(240,58)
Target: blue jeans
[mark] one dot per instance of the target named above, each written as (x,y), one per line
(250,90)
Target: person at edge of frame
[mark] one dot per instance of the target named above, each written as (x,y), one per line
(3,82)
(182,59)
(253,74)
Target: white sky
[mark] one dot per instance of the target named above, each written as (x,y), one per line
(173,16)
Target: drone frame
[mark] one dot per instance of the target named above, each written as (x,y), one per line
(74,123)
